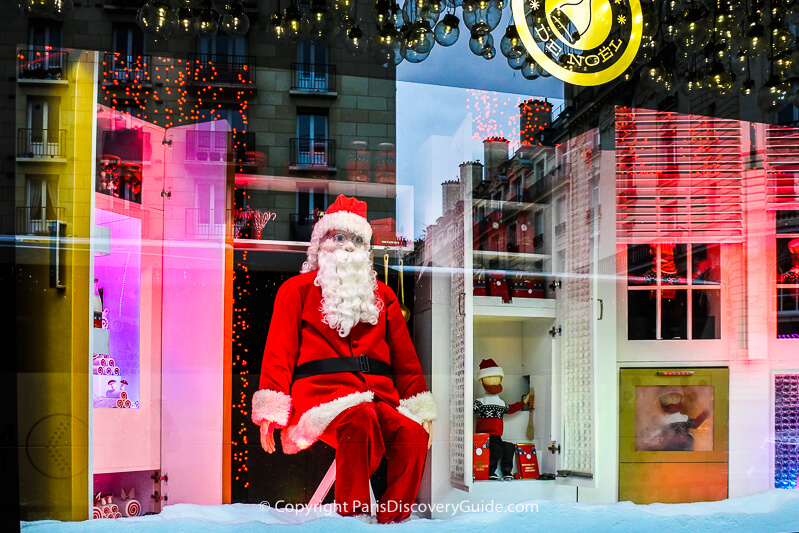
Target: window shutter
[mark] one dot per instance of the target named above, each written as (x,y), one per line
(678,177)
(782,165)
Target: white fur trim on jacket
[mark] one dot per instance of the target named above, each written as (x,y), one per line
(420,407)
(343,221)
(271,405)
(315,420)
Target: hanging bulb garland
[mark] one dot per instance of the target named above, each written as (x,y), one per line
(275,33)
(319,23)
(207,24)
(234,21)
(157,19)
(690,45)
(446,31)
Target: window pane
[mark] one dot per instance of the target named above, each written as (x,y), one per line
(787,260)
(673,260)
(639,263)
(706,264)
(642,310)
(787,313)
(706,314)
(787,221)
(674,314)
(674,418)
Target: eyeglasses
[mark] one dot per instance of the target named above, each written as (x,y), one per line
(341,239)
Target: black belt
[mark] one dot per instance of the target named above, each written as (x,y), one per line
(361,363)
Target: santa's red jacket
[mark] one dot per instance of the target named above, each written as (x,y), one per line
(298,335)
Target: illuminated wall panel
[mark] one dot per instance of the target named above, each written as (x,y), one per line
(786,430)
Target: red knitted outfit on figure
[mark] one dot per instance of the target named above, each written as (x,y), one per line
(364,416)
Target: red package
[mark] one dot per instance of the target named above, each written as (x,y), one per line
(523,234)
(480,288)
(498,286)
(496,234)
(526,460)
(480,457)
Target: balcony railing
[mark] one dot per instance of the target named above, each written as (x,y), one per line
(41,143)
(306,77)
(123,69)
(313,153)
(42,65)
(35,220)
(205,223)
(221,69)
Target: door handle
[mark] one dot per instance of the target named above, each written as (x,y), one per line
(601,308)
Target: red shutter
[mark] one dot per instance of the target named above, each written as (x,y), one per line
(782,165)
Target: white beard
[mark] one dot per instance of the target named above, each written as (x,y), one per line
(349,288)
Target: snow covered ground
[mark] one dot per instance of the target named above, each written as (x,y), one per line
(773,510)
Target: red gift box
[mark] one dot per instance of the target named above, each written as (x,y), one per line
(526,460)
(480,457)
(496,233)
(384,233)
(498,286)
(480,287)
(522,236)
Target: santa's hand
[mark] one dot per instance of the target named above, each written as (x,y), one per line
(267,437)
(428,426)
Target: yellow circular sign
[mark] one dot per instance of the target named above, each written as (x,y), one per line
(582,42)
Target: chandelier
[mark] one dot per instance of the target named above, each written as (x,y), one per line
(724,47)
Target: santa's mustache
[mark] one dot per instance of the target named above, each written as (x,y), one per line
(345,257)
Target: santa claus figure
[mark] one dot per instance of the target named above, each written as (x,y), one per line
(339,366)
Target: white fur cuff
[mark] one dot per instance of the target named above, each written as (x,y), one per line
(315,420)
(272,406)
(419,407)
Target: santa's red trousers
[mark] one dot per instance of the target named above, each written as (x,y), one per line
(362,435)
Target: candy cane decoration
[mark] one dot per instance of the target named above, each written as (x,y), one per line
(260,220)
(240,219)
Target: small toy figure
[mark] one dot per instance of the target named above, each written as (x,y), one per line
(675,434)
(489,411)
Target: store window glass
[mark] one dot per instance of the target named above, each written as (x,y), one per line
(674,290)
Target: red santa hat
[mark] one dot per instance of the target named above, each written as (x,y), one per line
(488,368)
(345,214)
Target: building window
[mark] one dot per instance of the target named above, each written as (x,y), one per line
(312,147)
(128,62)
(42,137)
(44,34)
(41,205)
(208,141)
(788,274)
(312,71)
(674,291)
(222,46)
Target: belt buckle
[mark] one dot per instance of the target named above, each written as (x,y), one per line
(363,361)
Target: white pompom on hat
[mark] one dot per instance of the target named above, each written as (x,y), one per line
(345,214)
(489,368)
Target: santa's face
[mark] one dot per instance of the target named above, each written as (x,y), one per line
(347,281)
